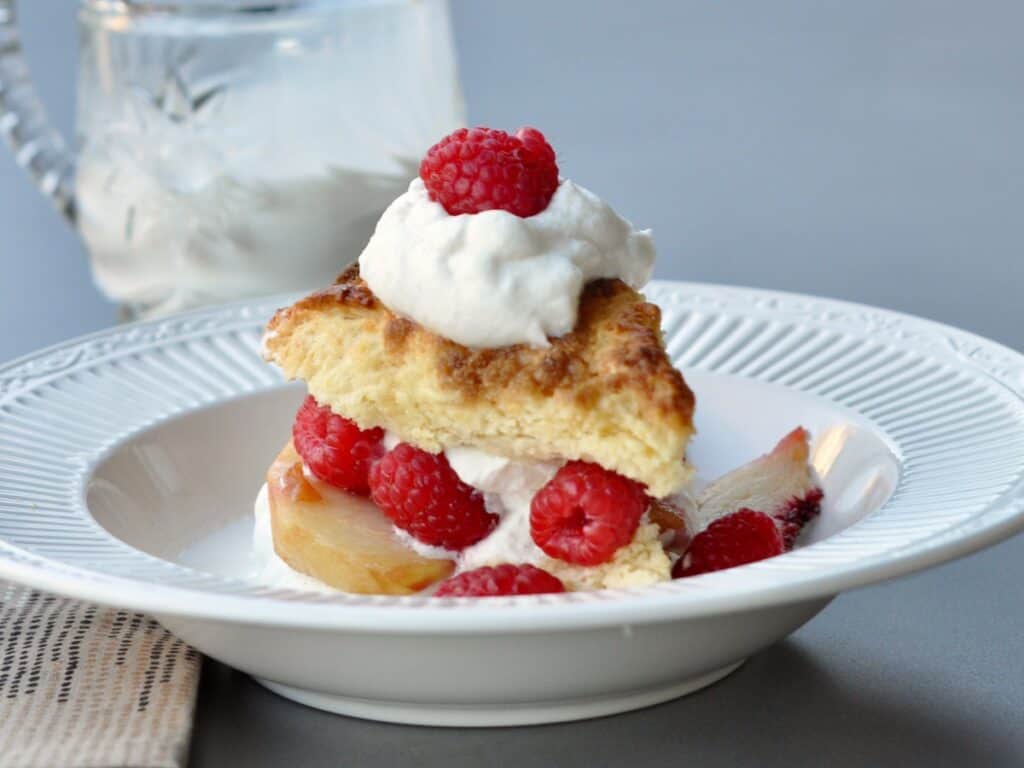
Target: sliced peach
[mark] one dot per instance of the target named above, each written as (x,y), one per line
(295,485)
(342,540)
(780,484)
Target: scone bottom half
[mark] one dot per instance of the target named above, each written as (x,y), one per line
(605,393)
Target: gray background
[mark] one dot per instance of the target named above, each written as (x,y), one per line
(863,150)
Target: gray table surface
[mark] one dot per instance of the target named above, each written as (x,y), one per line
(869,151)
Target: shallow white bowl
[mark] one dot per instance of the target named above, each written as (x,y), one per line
(129,461)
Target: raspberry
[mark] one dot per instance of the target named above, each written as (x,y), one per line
(737,539)
(585,513)
(423,496)
(483,169)
(334,448)
(797,513)
(500,580)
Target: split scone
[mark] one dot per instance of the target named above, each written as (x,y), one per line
(605,393)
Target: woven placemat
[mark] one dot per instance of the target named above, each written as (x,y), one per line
(86,686)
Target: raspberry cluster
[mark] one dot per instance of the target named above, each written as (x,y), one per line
(418,491)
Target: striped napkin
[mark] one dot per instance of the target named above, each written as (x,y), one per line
(85,686)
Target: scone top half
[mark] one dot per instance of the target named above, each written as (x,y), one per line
(606,392)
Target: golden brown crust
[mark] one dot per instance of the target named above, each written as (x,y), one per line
(615,353)
(614,321)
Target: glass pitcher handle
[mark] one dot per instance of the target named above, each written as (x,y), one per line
(37,146)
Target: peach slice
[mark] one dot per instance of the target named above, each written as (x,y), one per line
(780,484)
(344,541)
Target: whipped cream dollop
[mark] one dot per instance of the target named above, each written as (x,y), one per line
(493,279)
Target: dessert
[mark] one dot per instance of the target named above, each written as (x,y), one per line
(490,397)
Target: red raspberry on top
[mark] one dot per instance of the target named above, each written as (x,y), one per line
(483,169)
(334,448)
(585,513)
(423,496)
(500,580)
(737,539)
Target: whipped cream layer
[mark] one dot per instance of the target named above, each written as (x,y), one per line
(492,279)
(508,487)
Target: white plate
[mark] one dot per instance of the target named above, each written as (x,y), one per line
(129,461)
